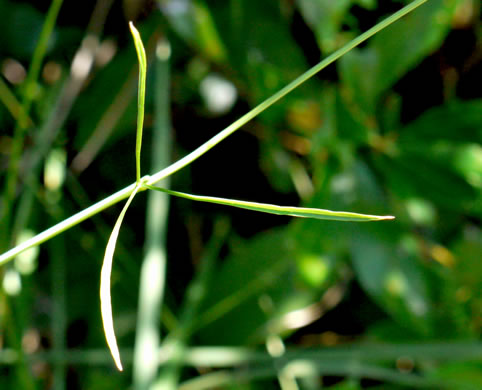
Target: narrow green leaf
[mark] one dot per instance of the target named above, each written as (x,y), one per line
(303,212)
(152,283)
(188,159)
(105,298)
(141,55)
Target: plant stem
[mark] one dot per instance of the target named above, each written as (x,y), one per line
(68,223)
(282,93)
(124,193)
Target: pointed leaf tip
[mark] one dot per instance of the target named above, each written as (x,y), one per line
(302,212)
(105,296)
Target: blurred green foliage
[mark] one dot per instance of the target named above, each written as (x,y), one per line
(394,128)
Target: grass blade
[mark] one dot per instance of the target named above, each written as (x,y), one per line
(153,269)
(302,212)
(105,298)
(141,55)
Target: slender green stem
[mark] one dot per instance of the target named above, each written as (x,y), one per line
(282,93)
(124,193)
(68,223)
(141,55)
(23,122)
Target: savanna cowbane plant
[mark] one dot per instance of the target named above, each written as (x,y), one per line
(147,182)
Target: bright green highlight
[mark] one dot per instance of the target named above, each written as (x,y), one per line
(141,55)
(302,212)
(105,298)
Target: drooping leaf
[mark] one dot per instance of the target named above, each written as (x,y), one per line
(105,297)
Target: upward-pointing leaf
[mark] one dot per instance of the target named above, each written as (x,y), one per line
(141,56)
(303,212)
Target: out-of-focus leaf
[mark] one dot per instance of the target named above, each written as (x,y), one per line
(276,162)
(393,278)
(260,282)
(360,69)
(402,46)
(207,36)
(325,18)
(193,21)
(463,160)
(106,85)
(468,375)
(467,272)
(353,124)
(457,121)
(350,384)
(98,379)
(20,34)
(390,54)
(248,276)
(181,17)
(413,175)
(387,330)
(258,40)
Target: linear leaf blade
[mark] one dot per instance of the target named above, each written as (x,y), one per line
(105,297)
(303,212)
(141,56)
